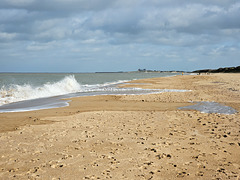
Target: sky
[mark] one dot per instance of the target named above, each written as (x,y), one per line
(118,35)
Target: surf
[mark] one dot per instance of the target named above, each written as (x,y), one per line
(15,92)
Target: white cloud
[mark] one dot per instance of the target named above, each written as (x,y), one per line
(121,30)
(7,36)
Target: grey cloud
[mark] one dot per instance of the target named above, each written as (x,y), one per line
(111,29)
(116,21)
(134,17)
(188,19)
(12,15)
(56,5)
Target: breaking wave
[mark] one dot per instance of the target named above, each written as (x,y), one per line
(14,93)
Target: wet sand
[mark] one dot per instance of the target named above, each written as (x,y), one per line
(128,137)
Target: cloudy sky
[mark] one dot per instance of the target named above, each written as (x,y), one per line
(118,35)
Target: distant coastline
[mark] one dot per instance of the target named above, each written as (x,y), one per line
(145,71)
(220,70)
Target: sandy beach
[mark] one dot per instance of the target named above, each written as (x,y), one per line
(129,136)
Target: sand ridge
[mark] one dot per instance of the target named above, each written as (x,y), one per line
(136,139)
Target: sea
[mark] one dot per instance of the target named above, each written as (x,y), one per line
(35,91)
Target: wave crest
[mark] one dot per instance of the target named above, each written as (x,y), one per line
(16,93)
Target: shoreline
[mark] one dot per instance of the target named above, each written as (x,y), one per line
(33,117)
(95,103)
(128,136)
(44,94)
(79,105)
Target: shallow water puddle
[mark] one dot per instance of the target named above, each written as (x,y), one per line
(211,107)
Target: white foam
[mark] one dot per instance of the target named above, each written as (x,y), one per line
(16,93)
(28,97)
(68,85)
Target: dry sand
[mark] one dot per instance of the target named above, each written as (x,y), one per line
(128,137)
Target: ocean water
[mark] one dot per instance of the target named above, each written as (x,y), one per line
(34,91)
(211,107)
